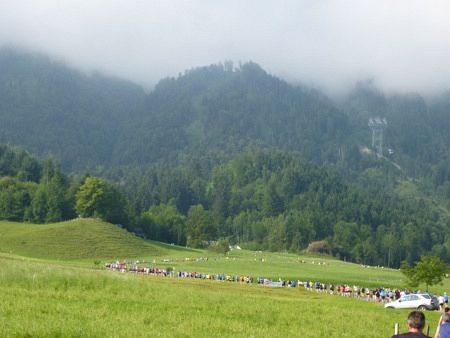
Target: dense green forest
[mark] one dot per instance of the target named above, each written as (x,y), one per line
(96,122)
(229,153)
(38,191)
(51,109)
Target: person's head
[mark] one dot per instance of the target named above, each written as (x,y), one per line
(446,317)
(416,320)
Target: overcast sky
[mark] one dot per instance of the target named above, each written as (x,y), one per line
(403,44)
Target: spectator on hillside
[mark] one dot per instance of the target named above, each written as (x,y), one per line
(416,323)
(443,328)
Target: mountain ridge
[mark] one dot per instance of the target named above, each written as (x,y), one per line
(51,109)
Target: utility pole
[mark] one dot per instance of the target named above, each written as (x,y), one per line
(377,125)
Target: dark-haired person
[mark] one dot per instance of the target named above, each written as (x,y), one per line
(443,328)
(416,323)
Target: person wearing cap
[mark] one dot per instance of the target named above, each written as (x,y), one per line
(415,323)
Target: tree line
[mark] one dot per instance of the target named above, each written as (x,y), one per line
(37,191)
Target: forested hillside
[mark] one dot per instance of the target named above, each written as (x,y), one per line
(417,129)
(224,107)
(271,200)
(261,199)
(226,153)
(52,109)
(89,121)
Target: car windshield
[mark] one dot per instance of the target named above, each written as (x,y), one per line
(426,296)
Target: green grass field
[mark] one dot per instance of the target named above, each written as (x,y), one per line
(51,293)
(79,239)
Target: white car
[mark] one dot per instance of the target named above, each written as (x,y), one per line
(422,301)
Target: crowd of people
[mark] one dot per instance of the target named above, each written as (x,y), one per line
(415,322)
(380,295)
(134,268)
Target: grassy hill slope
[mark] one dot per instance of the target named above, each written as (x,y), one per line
(76,239)
(90,239)
(44,299)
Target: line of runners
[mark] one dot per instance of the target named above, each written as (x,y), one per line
(380,295)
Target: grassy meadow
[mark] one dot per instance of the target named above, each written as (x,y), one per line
(52,294)
(79,239)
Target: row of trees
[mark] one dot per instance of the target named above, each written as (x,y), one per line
(39,192)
